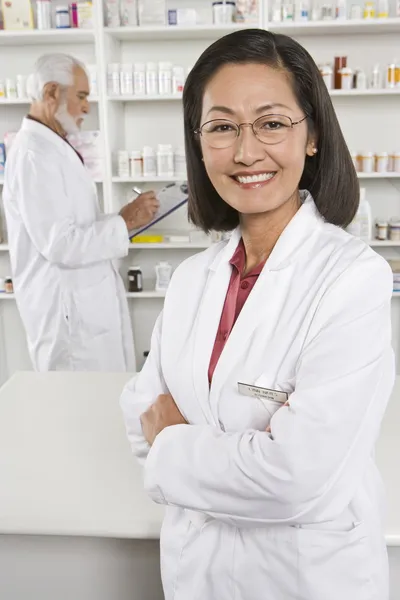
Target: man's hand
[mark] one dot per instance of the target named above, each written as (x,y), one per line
(161,414)
(140,211)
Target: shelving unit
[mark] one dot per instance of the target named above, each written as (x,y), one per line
(130,122)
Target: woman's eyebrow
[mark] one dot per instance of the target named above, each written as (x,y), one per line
(261,109)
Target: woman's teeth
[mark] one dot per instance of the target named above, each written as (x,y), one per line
(254,178)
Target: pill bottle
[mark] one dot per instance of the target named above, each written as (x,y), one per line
(135,279)
(369,10)
(165,78)
(394,229)
(376,79)
(361,80)
(367,162)
(354,158)
(346,78)
(340,62)
(21,86)
(62,17)
(126,80)
(151,79)
(382,162)
(139,79)
(136,163)
(381,229)
(113,83)
(395,162)
(149,162)
(163,276)
(165,160)
(123,163)
(11,89)
(178,80)
(391,75)
(223,12)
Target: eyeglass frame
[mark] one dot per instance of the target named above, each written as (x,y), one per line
(239,125)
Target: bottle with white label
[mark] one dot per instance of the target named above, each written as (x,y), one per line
(126,80)
(149,162)
(178,80)
(165,160)
(139,79)
(151,79)
(163,276)
(165,78)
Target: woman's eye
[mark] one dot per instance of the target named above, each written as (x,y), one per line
(273,125)
(222,128)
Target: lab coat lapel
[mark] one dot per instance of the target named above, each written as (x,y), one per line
(268,295)
(208,319)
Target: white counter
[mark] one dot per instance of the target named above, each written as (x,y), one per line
(66,467)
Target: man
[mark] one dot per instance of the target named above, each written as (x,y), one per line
(70,295)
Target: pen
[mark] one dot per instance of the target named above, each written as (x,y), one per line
(137,190)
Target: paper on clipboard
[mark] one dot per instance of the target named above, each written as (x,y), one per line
(171,197)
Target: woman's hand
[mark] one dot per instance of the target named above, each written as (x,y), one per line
(161,414)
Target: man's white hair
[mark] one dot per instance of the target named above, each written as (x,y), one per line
(49,68)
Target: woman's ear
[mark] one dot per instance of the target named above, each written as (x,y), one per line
(311,149)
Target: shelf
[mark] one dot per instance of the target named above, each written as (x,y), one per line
(171,246)
(337,27)
(380,92)
(173,32)
(384,244)
(4,296)
(149,179)
(178,97)
(50,36)
(27,101)
(146,98)
(389,175)
(3,247)
(145,294)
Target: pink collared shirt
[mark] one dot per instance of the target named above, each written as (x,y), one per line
(238,291)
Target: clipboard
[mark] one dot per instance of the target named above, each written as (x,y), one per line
(171,197)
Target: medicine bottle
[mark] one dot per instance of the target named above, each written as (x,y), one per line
(62,17)
(391,75)
(151,79)
(381,227)
(165,78)
(149,162)
(126,80)
(135,279)
(346,78)
(178,80)
(382,162)
(165,160)
(113,84)
(136,161)
(139,79)
(327,75)
(43,14)
(367,161)
(123,164)
(394,229)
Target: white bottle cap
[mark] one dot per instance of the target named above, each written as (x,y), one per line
(135,268)
(147,151)
(164,148)
(165,66)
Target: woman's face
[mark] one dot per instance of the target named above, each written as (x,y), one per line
(251,176)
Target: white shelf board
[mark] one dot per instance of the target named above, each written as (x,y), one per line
(173,32)
(384,244)
(369,92)
(4,296)
(178,97)
(146,98)
(171,246)
(337,27)
(3,247)
(50,36)
(27,101)
(389,175)
(149,179)
(145,294)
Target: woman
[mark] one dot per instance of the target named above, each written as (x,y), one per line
(290,318)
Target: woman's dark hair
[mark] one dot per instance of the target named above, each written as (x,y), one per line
(329,175)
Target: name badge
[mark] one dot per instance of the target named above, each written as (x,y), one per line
(259,392)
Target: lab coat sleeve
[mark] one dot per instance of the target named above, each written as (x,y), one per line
(49,218)
(141,392)
(309,469)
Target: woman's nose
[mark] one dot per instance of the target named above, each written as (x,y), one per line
(248,149)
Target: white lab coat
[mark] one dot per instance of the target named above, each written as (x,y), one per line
(295,514)
(69,293)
